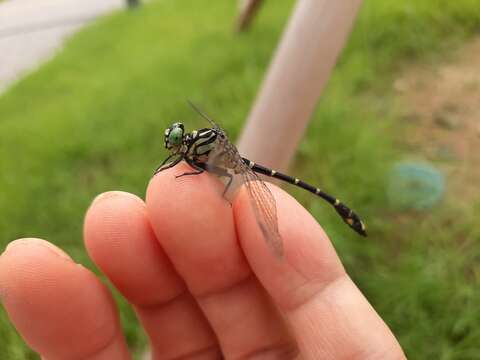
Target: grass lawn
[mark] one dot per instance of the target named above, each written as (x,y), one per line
(92,120)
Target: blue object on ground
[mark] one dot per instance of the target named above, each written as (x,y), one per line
(415,185)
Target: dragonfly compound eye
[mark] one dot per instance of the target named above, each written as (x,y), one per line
(175,136)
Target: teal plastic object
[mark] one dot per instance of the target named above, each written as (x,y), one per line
(415,186)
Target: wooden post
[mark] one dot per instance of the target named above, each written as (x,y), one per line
(248,9)
(307,53)
(133,3)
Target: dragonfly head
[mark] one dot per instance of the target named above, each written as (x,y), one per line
(174,136)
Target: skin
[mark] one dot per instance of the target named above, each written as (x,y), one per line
(201,279)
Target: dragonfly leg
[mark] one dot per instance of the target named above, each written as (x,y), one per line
(229,183)
(222,172)
(164,165)
(199,169)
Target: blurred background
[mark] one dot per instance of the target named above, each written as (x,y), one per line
(396,133)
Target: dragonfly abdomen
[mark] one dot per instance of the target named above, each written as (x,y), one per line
(348,215)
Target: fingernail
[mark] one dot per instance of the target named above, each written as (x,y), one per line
(116,194)
(36,242)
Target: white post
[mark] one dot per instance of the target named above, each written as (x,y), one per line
(314,37)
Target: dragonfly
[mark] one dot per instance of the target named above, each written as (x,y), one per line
(209,149)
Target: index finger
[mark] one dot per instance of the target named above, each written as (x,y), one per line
(195,227)
(328,314)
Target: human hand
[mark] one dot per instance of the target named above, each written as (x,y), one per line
(201,279)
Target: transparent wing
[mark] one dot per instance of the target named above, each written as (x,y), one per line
(205,116)
(225,161)
(265,209)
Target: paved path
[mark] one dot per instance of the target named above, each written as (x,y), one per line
(32,30)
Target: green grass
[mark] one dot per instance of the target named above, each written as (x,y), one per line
(92,120)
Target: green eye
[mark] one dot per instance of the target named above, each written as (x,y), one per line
(175,137)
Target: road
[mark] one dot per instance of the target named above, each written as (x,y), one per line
(32,31)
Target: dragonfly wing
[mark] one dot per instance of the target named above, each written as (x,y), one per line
(221,162)
(225,161)
(205,116)
(265,209)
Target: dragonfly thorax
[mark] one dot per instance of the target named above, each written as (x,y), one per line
(200,143)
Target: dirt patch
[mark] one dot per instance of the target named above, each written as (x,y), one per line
(442,107)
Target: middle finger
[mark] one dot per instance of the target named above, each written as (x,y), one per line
(119,239)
